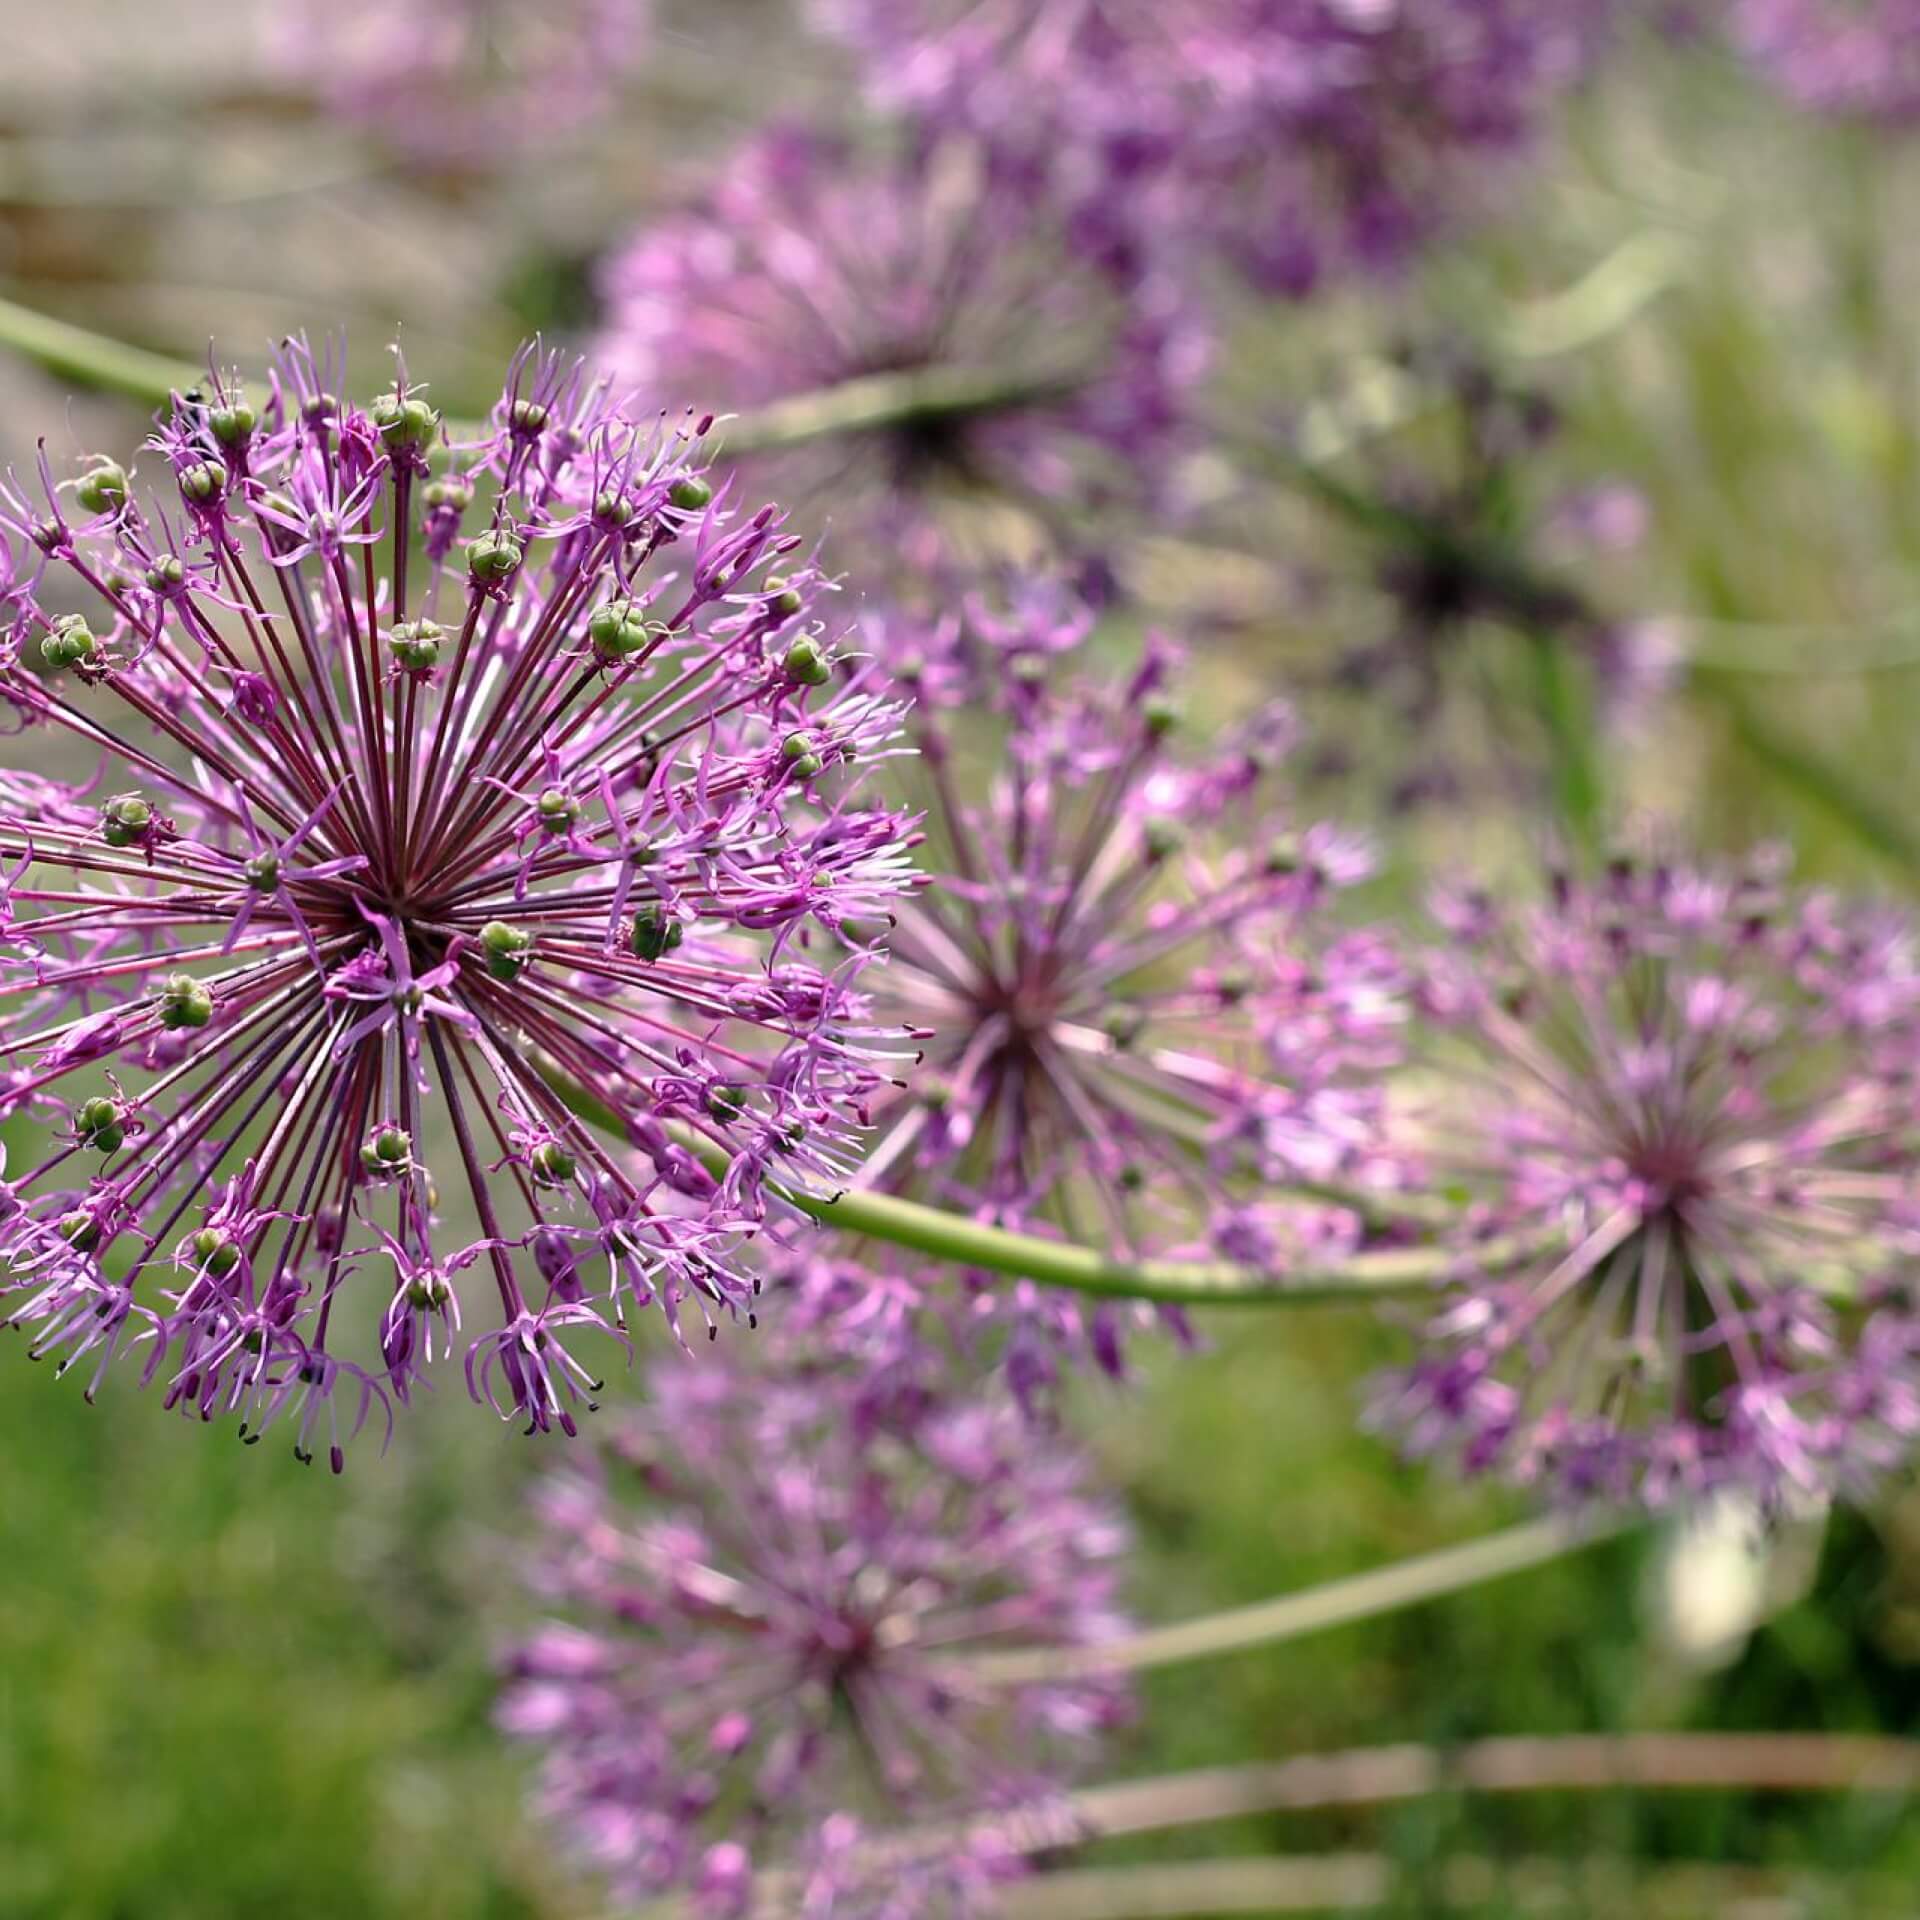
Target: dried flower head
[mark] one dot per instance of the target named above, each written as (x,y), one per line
(766,1606)
(436,803)
(1687,1101)
(1141,1025)
(807,265)
(1306,137)
(454,82)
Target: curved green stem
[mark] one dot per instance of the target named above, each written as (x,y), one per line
(1362,1596)
(94,360)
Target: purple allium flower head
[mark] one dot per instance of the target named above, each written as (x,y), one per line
(1305,136)
(455,81)
(1137,1008)
(1857,58)
(390,856)
(764,1609)
(808,264)
(1687,1099)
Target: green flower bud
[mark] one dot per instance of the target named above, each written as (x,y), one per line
(79,1229)
(387,1151)
(428,1290)
(690,494)
(1160,838)
(654,933)
(551,1164)
(184,1002)
(233,424)
(612,509)
(1132,1178)
(449,490)
(99,1123)
(202,482)
(528,416)
(166,572)
(1281,857)
(618,630)
(1028,669)
(1160,715)
(126,820)
(70,642)
(415,645)
(323,406)
(782,600)
(404,425)
(797,749)
(558,810)
(263,872)
(726,1103)
(494,556)
(1233,986)
(806,664)
(1123,1026)
(102,488)
(507,949)
(215,1251)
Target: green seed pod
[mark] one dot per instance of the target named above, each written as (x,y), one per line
(726,1104)
(690,494)
(79,1229)
(184,1002)
(126,820)
(558,810)
(551,1164)
(612,509)
(1123,1026)
(99,1123)
(783,601)
(618,630)
(204,481)
(528,416)
(453,490)
(806,664)
(507,948)
(102,488)
(404,425)
(1160,838)
(166,572)
(1281,857)
(654,933)
(263,873)
(494,556)
(215,1251)
(233,424)
(415,645)
(1160,715)
(70,643)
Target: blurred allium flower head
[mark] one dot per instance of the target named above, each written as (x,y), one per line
(1307,137)
(423,790)
(766,1609)
(1687,1099)
(1138,1007)
(809,264)
(1859,58)
(455,81)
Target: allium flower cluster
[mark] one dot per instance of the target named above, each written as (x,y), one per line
(808,264)
(1477,579)
(432,804)
(455,81)
(1141,1023)
(767,1609)
(1687,1100)
(1305,136)
(1859,58)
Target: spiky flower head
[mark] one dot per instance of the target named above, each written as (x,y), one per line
(438,802)
(808,264)
(1306,137)
(453,82)
(767,1611)
(1143,1026)
(1855,58)
(1686,1101)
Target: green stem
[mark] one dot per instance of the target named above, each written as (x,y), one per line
(94,360)
(1363,1596)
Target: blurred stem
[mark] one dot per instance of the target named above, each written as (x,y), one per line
(1568,717)
(94,360)
(1363,1596)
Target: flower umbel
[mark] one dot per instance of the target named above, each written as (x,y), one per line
(765,1605)
(402,853)
(1692,1095)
